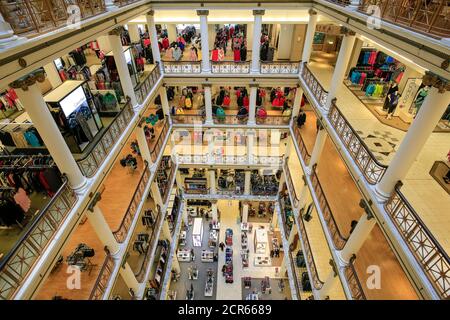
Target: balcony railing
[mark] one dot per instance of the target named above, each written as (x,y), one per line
(103,279)
(36,16)
(15,267)
(164,185)
(155,151)
(181,67)
(153,241)
(237,160)
(338,240)
(426,249)
(353,281)
(121,3)
(230,67)
(121,233)
(274,120)
(143,89)
(94,159)
(298,288)
(230,119)
(295,199)
(280,67)
(314,85)
(196,191)
(372,170)
(425,16)
(188,119)
(301,144)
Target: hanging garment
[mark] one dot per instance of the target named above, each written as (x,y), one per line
(226,101)
(22,199)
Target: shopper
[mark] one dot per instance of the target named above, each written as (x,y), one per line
(222,246)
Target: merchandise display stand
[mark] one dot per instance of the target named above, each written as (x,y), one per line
(207,256)
(184,255)
(209,286)
(213,238)
(193,272)
(197,232)
(265,286)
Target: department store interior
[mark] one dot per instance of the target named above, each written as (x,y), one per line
(205,153)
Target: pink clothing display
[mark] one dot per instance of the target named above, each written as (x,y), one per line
(22,200)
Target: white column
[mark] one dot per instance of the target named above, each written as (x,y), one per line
(211,148)
(128,276)
(208,104)
(52,74)
(291,234)
(212,181)
(133,31)
(304,194)
(251,145)
(275,219)
(185,214)
(172,32)
(31,97)
(156,194)
(247,182)
(328,285)
(179,180)
(252,104)
(214,210)
(122,67)
(176,264)
(297,102)
(166,231)
(257,27)
(102,229)
(7,36)
(153,37)
(307,46)
(143,144)
(318,148)
(426,119)
(341,66)
(203,14)
(110,5)
(244,212)
(250,36)
(165,102)
(357,237)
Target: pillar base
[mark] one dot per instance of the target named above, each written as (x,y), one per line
(8,39)
(110,6)
(251,122)
(380,196)
(308,170)
(209,122)
(82,188)
(340,259)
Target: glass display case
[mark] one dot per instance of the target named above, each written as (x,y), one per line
(75,114)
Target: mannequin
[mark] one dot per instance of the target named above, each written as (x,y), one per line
(420,97)
(392,103)
(393,88)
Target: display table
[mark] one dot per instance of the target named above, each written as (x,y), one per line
(209,285)
(184,255)
(197,232)
(262,262)
(260,241)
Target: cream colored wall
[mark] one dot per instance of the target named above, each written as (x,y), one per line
(298,40)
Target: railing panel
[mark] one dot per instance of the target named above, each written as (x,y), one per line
(372,170)
(425,248)
(314,85)
(353,282)
(188,119)
(182,67)
(301,144)
(20,260)
(280,67)
(103,279)
(144,88)
(274,120)
(230,67)
(94,159)
(155,151)
(230,119)
(121,233)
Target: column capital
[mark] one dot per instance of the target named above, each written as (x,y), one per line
(433,80)
(366,206)
(312,12)
(259,12)
(347,31)
(116,31)
(95,199)
(202,12)
(334,267)
(253,85)
(151,12)
(206,85)
(28,80)
(304,180)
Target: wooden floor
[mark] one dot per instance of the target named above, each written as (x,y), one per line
(343,197)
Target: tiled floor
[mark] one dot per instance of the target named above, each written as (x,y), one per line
(426,196)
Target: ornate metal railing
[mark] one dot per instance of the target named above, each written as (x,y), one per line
(338,240)
(353,281)
(165,186)
(295,200)
(282,203)
(121,233)
(298,288)
(196,191)
(425,16)
(188,119)
(16,265)
(314,85)
(230,119)
(426,249)
(280,67)
(155,151)
(301,144)
(103,278)
(90,163)
(182,66)
(230,67)
(274,120)
(372,170)
(37,16)
(340,2)
(316,282)
(143,89)
(238,160)
(153,241)
(121,3)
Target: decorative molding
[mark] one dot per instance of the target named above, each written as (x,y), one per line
(116,31)
(433,80)
(202,12)
(206,85)
(312,12)
(366,206)
(259,12)
(28,80)
(347,31)
(253,85)
(334,267)
(445,64)
(151,12)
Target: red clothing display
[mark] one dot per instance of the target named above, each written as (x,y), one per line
(226,101)
(246,101)
(146,42)
(165,43)
(237,55)
(215,55)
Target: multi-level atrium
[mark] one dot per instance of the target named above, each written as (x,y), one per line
(201,151)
